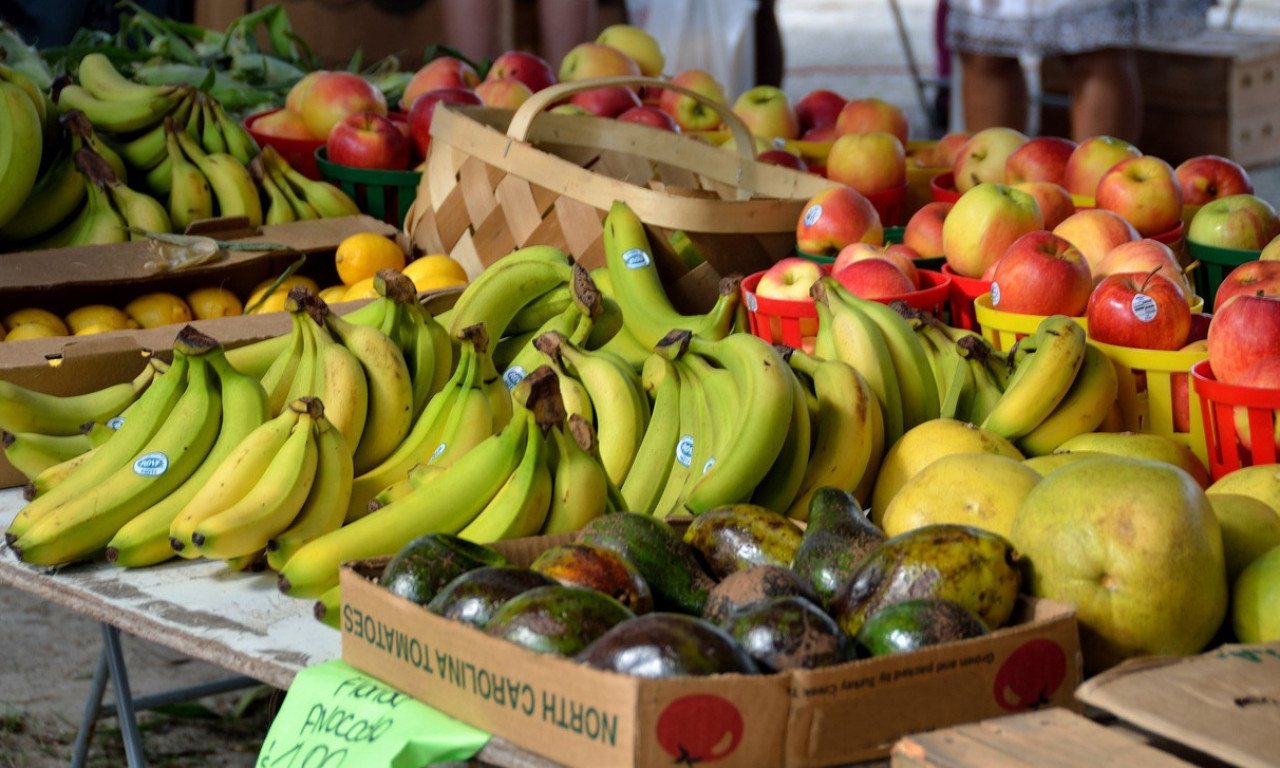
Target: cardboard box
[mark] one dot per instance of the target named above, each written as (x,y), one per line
(1215,93)
(585,717)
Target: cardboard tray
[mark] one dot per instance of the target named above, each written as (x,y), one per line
(578,716)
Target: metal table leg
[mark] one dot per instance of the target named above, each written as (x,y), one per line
(92,710)
(124,697)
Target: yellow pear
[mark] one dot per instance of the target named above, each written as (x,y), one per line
(923,443)
(1045,464)
(1135,545)
(1141,445)
(983,490)
(1249,528)
(1261,481)
(1254,598)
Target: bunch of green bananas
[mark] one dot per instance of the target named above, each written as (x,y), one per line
(293,197)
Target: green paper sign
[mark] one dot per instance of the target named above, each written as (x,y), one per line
(335,715)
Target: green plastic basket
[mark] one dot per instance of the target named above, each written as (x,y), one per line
(1215,264)
(385,195)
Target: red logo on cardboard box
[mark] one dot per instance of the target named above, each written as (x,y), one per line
(700,728)
(1031,675)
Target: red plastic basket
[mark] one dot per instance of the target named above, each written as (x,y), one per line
(890,204)
(944,189)
(299,153)
(964,291)
(1219,403)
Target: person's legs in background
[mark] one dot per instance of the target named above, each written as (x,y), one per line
(993,91)
(769,51)
(562,24)
(1106,94)
(471,26)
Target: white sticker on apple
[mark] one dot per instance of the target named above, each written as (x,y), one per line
(513,376)
(684,450)
(752,304)
(636,258)
(1144,307)
(812,215)
(152,464)
(777,142)
(995,294)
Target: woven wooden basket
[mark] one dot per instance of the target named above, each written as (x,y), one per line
(497,180)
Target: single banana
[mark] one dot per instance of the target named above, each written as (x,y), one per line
(255,358)
(145,151)
(142,212)
(520,507)
(83,136)
(777,490)
(494,386)
(540,309)
(623,342)
(1041,380)
(649,472)
(326,504)
(158,180)
(302,210)
(326,200)
(51,476)
(848,440)
(272,504)
(33,452)
(1081,410)
(328,607)
(957,403)
(920,327)
(120,115)
(190,196)
(210,135)
(232,186)
(240,144)
(305,381)
(341,384)
(497,294)
(683,461)
(530,356)
(97,75)
(85,524)
(986,389)
(390,390)
(53,201)
(34,93)
(144,540)
(21,147)
(231,479)
(919,392)
(580,487)
(28,410)
(469,422)
(279,211)
(153,408)
(279,376)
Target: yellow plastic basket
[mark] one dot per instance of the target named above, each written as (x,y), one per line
(1002,329)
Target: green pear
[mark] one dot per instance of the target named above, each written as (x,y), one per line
(1249,529)
(1145,445)
(1261,481)
(1135,545)
(1255,600)
(979,489)
(1051,461)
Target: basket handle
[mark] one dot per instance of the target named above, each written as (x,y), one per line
(538,102)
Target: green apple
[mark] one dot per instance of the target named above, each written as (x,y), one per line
(1245,221)
(767,112)
(634,41)
(1249,529)
(1255,600)
(983,223)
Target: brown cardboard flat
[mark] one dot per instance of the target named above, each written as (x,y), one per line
(1224,703)
(818,717)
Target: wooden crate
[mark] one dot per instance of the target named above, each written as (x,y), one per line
(1216,93)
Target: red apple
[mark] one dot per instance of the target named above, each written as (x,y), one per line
(691,114)
(899,255)
(1208,177)
(1244,221)
(424,108)
(1145,191)
(503,92)
(948,148)
(1042,158)
(1199,327)
(587,61)
(282,124)
(983,157)
(789,279)
(1054,199)
(1253,277)
(1130,309)
(609,101)
(818,108)
(298,92)
(1264,375)
(1095,232)
(440,72)
(982,225)
(1144,256)
(1041,273)
(783,157)
(867,115)
(1243,332)
(368,140)
(923,232)
(647,114)
(534,71)
(874,279)
(335,95)
(767,112)
(835,217)
(1090,159)
(822,134)
(868,162)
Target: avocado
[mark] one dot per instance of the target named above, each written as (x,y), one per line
(667,645)
(914,624)
(427,563)
(735,537)
(754,585)
(837,537)
(596,567)
(973,567)
(788,632)
(668,565)
(556,619)
(475,595)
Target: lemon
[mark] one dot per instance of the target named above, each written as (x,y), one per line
(275,302)
(334,294)
(213,302)
(105,315)
(360,256)
(32,331)
(152,310)
(361,290)
(36,316)
(433,272)
(95,328)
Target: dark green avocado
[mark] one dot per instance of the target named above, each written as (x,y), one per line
(668,565)
(473,597)
(914,624)
(557,619)
(668,645)
(427,563)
